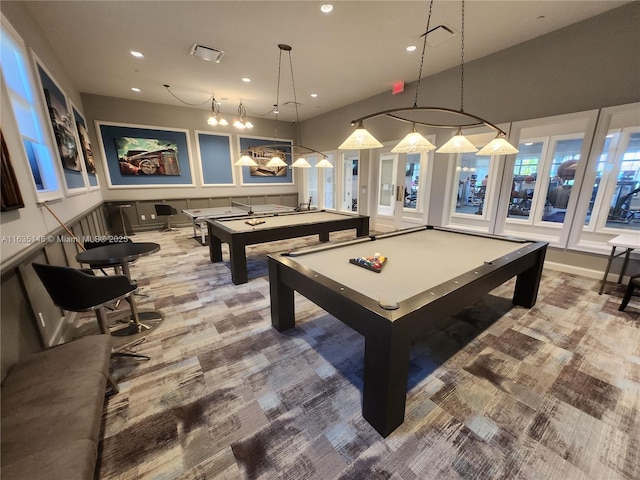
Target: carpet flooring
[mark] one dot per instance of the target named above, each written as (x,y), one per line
(502,392)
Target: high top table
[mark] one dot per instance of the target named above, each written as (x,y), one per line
(123,254)
(628,241)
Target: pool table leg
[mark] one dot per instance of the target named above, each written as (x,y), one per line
(363,229)
(215,248)
(528,283)
(238,262)
(282,306)
(386,371)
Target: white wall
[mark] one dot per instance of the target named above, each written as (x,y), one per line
(34,220)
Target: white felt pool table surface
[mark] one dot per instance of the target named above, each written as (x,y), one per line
(283,220)
(417,261)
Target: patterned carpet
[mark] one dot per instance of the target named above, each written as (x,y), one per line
(502,393)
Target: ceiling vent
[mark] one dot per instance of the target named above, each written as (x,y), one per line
(439,34)
(209,54)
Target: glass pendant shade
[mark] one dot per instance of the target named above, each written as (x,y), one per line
(498,146)
(301,163)
(213,121)
(413,143)
(245,161)
(458,144)
(276,162)
(324,163)
(360,139)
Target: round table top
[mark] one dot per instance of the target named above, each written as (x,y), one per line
(117,252)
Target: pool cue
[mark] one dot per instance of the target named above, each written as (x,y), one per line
(65,227)
(68,231)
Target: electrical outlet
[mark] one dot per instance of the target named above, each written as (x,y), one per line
(143,217)
(153,217)
(41,319)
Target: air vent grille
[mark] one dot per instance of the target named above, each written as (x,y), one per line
(209,54)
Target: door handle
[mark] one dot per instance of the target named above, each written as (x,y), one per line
(398,193)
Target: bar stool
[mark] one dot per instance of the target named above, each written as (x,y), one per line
(77,290)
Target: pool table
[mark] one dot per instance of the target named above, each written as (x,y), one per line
(430,274)
(238,233)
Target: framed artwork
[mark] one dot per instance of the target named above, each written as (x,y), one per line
(260,150)
(11,196)
(63,129)
(62,123)
(145,156)
(85,148)
(262,155)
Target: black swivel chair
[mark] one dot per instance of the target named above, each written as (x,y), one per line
(79,290)
(634,282)
(167,211)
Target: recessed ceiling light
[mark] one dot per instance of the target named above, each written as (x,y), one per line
(326,8)
(314,95)
(411,48)
(135,89)
(246,79)
(137,54)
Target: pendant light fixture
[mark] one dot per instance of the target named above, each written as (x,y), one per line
(215,118)
(278,149)
(414,142)
(242,122)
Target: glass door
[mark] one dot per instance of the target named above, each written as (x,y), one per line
(387,186)
(349,194)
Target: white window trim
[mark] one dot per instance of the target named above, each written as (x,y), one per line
(50,191)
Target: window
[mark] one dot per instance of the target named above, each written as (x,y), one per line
(349,181)
(412,181)
(534,190)
(473,176)
(615,199)
(543,184)
(329,175)
(19,88)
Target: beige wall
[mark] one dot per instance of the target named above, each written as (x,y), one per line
(118,110)
(589,65)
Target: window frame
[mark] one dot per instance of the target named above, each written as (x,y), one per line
(45,157)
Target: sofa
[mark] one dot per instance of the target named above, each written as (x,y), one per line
(52,404)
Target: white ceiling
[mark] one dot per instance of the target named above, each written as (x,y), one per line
(356,51)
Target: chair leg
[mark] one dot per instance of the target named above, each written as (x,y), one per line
(120,350)
(627,296)
(112,384)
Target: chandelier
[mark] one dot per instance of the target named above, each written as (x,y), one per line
(278,151)
(414,142)
(216,118)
